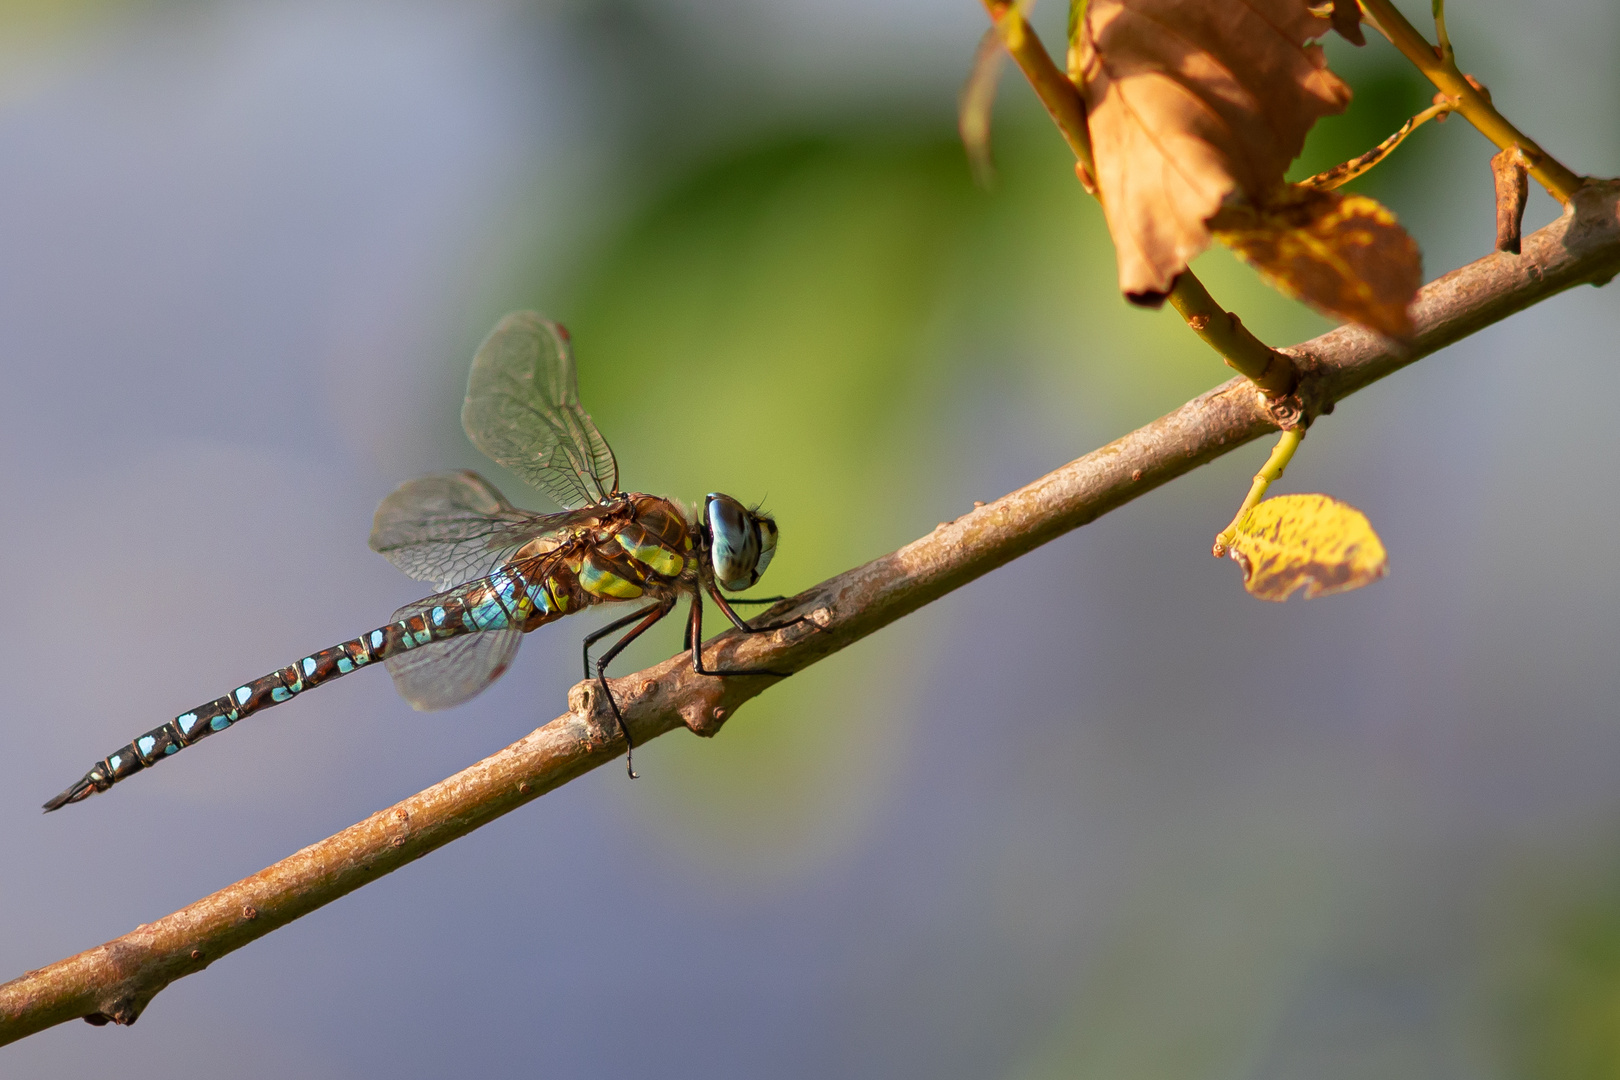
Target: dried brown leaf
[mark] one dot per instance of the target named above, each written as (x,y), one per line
(1346,18)
(1344,254)
(977,103)
(1191,103)
(1511,171)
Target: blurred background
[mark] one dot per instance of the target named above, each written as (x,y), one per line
(1100,814)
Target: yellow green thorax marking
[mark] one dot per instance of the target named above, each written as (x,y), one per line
(641,546)
(596,576)
(524,608)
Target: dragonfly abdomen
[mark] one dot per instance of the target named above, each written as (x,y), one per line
(196,724)
(588,574)
(504,598)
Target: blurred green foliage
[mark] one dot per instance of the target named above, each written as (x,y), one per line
(1563,1005)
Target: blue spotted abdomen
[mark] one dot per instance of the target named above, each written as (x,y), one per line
(503,599)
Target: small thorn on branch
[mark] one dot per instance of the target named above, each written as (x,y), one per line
(1511,171)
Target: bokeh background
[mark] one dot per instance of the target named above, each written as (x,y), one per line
(1099,814)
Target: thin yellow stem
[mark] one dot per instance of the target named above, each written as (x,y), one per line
(1052,86)
(976,106)
(1467,99)
(1340,175)
(1446,52)
(1076,31)
(1269,473)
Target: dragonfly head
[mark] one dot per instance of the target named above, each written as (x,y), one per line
(741,541)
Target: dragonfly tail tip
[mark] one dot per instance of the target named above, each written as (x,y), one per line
(81,790)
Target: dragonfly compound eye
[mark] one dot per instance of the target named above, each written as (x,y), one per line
(734,542)
(765,529)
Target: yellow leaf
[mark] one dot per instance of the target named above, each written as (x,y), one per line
(1314,541)
(1344,254)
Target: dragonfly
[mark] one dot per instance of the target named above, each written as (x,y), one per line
(503,571)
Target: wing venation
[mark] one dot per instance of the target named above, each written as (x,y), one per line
(453,527)
(523,410)
(443,674)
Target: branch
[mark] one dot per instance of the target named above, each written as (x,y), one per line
(115,981)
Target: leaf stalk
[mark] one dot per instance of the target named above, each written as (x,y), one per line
(1340,175)
(1269,473)
(1446,52)
(1271,371)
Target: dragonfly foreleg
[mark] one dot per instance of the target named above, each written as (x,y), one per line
(686,640)
(694,631)
(648,616)
(742,624)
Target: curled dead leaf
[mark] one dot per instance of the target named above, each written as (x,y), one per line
(1314,542)
(1346,17)
(1344,254)
(1190,103)
(1511,171)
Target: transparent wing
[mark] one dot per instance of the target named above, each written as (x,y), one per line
(443,674)
(452,527)
(523,410)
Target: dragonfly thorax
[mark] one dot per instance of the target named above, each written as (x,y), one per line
(741,541)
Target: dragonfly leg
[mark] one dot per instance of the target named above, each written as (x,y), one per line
(649,616)
(617,624)
(694,630)
(740,623)
(686,641)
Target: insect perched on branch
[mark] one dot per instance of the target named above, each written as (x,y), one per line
(506,571)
